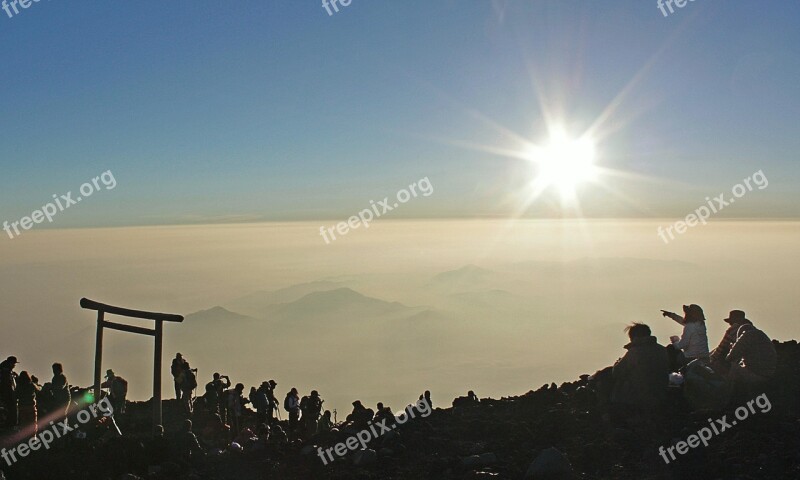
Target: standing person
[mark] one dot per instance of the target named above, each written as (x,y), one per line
(60,390)
(215,390)
(693,342)
(252,395)
(26,394)
(260,401)
(718,360)
(292,405)
(8,390)
(177,370)
(188,384)
(236,403)
(311,407)
(272,402)
(427,397)
(117,391)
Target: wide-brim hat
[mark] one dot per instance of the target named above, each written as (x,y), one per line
(736,316)
(12,359)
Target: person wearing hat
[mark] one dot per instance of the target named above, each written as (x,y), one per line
(259,400)
(8,390)
(753,360)
(292,405)
(735,320)
(117,391)
(693,342)
(311,406)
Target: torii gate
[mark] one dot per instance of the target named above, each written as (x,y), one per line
(156,332)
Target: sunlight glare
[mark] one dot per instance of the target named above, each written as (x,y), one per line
(564,163)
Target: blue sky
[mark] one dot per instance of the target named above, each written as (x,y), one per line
(275,110)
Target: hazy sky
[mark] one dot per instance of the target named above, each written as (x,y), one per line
(543,301)
(249,110)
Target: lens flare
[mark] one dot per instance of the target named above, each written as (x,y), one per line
(564,163)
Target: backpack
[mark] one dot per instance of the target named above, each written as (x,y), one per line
(286,405)
(190,380)
(119,387)
(315,407)
(176,368)
(706,389)
(261,402)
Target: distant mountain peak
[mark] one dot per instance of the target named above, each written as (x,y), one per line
(217,314)
(337,301)
(466,278)
(341,295)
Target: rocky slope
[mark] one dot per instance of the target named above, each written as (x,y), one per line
(563,427)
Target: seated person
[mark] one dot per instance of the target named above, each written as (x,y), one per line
(693,342)
(718,358)
(753,358)
(641,377)
(360,416)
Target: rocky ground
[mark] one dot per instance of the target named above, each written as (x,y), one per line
(561,427)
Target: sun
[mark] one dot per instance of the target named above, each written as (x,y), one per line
(564,163)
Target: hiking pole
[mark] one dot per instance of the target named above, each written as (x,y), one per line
(194,392)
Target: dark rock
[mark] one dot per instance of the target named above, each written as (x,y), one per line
(551,464)
(363,458)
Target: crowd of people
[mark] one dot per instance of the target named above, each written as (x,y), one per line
(744,363)
(23,399)
(218,418)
